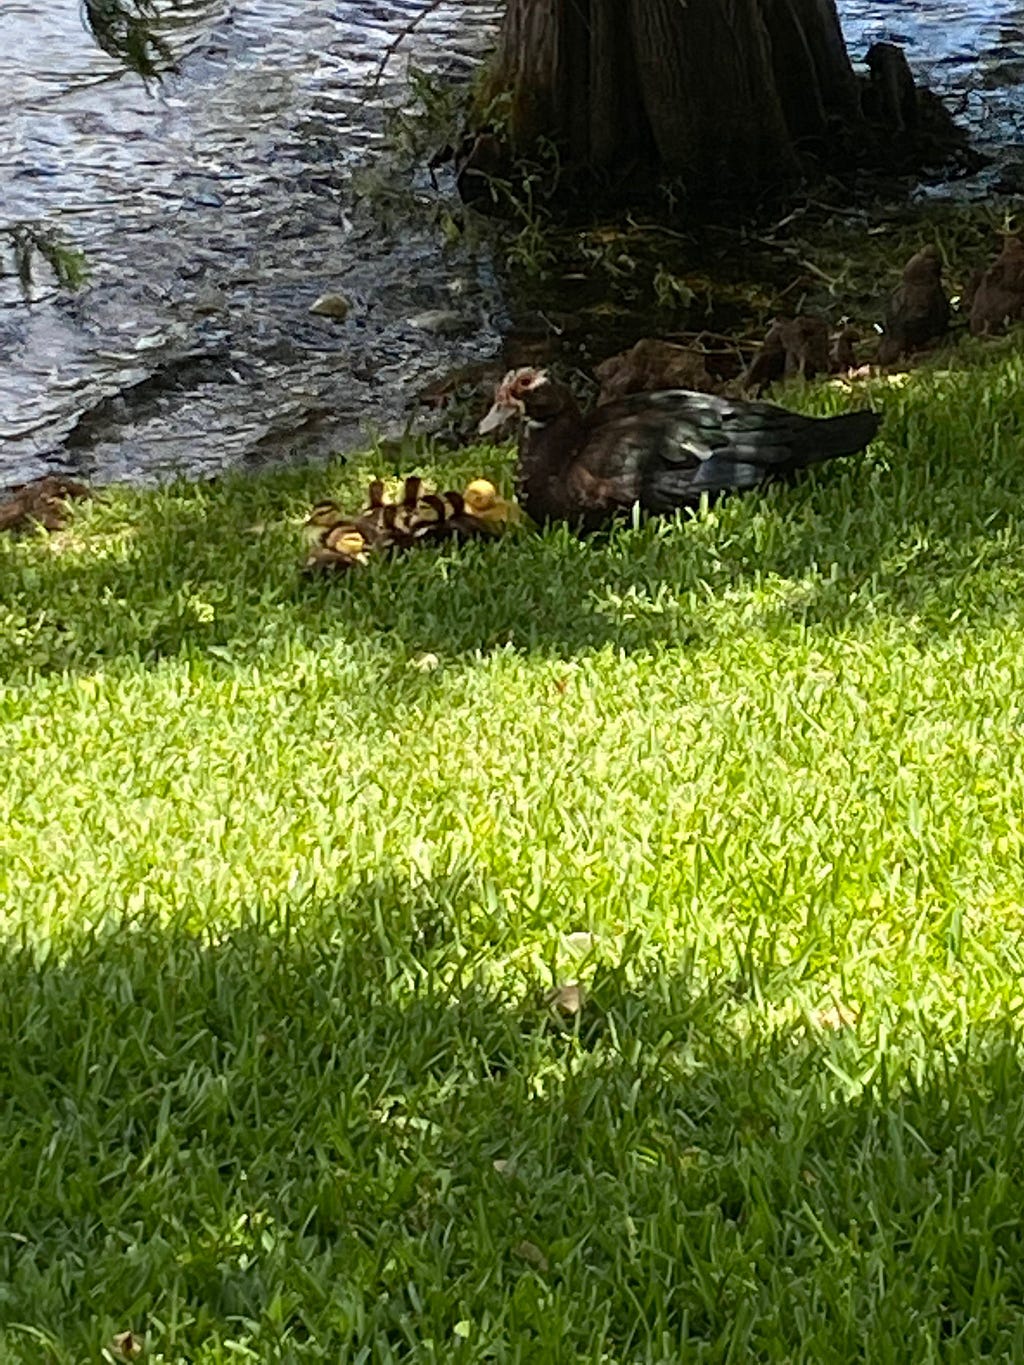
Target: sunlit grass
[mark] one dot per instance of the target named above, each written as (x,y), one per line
(286,869)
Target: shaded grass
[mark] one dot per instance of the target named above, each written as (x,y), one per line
(281,898)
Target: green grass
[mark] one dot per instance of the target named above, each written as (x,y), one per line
(280,898)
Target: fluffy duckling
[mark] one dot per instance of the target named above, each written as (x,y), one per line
(340,541)
(347,540)
(343,547)
(375,501)
(324,516)
(442,517)
(484,503)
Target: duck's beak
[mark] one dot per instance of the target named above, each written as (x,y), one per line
(501,413)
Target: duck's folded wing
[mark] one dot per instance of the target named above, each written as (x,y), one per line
(668,448)
(668,488)
(665,455)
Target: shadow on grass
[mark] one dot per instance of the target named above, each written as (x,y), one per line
(342,1132)
(924,530)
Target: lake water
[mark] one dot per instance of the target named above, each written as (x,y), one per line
(214,209)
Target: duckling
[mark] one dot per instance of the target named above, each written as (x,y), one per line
(484,504)
(843,356)
(792,346)
(375,502)
(435,517)
(431,518)
(441,517)
(347,540)
(407,513)
(321,519)
(343,547)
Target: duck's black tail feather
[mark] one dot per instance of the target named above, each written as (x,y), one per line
(831,437)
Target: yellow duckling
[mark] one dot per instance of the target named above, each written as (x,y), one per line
(321,519)
(343,547)
(485,503)
(347,541)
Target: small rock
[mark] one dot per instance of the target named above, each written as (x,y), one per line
(210,299)
(440,322)
(331,306)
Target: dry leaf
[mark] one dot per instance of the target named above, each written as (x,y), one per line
(580,941)
(532,1253)
(425,663)
(127,1344)
(567,999)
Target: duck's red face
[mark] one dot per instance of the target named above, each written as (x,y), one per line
(512,398)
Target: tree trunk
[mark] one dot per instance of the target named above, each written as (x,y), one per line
(714,91)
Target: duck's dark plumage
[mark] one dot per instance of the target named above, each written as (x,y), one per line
(663,450)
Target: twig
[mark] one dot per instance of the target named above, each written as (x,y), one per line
(816,270)
(403,33)
(732,343)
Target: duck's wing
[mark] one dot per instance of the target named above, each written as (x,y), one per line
(667,449)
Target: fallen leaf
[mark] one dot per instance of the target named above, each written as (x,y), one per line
(529,1251)
(567,999)
(127,1344)
(425,663)
(580,941)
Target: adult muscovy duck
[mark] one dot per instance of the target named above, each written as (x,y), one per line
(663,450)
